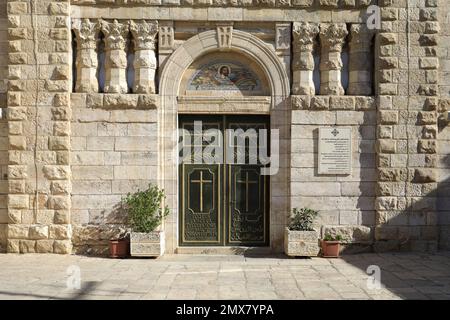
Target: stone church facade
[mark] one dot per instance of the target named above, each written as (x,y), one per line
(93,93)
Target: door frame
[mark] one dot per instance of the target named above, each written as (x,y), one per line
(277,74)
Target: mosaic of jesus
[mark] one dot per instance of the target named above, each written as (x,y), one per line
(222,75)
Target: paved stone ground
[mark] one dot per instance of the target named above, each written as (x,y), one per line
(403,276)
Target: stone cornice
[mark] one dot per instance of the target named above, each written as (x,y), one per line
(318,4)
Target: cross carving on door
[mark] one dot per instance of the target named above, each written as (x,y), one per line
(201,182)
(247,182)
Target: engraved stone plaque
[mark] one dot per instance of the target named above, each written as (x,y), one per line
(335,150)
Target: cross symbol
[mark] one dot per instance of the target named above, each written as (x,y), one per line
(247,183)
(283,37)
(335,132)
(201,182)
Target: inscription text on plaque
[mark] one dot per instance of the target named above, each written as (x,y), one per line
(335,150)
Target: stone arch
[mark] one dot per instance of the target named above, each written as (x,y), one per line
(172,73)
(206,42)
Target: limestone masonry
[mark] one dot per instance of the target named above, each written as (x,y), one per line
(91,92)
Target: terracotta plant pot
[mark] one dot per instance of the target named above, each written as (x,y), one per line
(330,249)
(119,248)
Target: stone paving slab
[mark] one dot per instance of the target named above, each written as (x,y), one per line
(187,277)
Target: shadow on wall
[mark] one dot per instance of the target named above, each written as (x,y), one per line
(355,218)
(93,239)
(418,221)
(424,224)
(3,180)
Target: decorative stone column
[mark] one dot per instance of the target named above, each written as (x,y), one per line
(116,57)
(145,63)
(303,60)
(86,62)
(332,38)
(360,60)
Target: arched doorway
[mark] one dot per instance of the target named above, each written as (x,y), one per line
(269,98)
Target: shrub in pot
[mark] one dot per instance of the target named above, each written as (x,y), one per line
(300,239)
(331,246)
(145,214)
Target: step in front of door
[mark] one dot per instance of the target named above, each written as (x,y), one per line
(225,250)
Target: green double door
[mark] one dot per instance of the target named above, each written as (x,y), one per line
(223,195)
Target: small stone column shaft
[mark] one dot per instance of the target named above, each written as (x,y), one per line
(144,34)
(303,63)
(116,57)
(86,33)
(332,38)
(360,60)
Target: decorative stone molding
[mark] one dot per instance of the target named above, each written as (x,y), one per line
(86,33)
(116,34)
(329,4)
(320,103)
(332,39)
(360,60)
(222,105)
(303,61)
(145,64)
(117,101)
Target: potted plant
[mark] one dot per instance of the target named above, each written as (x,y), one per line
(119,246)
(331,245)
(300,239)
(145,214)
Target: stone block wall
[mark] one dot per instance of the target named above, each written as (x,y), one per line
(38,127)
(444,48)
(3,125)
(407,127)
(67,159)
(346,203)
(443,172)
(114,151)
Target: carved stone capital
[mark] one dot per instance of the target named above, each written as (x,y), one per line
(86,33)
(115,34)
(144,34)
(304,34)
(332,36)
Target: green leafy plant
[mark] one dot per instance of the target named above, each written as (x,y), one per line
(302,219)
(329,237)
(145,211)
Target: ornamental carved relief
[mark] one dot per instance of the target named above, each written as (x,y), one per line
(115,34)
